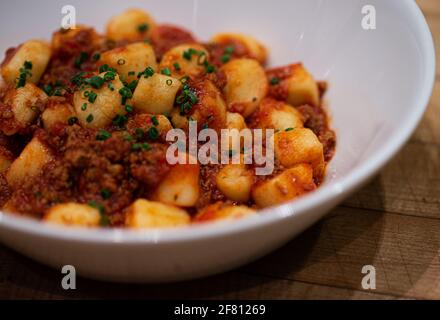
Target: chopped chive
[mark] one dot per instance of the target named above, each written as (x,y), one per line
(209,68)
(95,81)
(274,81)
(126,93)
(109,75)
(103,68)
(148,72)
(92,96)
(104,219)
(120,120)
(96,57)
(153,133)
(105,193)
(27,65)
(154,120)
(166,71)
(89,118)
(72,120)
(142,28)
(84,107)
(103,135)
(24,73)
(229,50)
(289,129)
(139,133)
(177,66)
(128,108)
(141,146)
(83,56)
(226,58)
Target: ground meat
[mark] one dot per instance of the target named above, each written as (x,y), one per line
(5,192)
(166,37)
(107,172)
(150,167)
(316,120)
(209,192)
(280,90)
(217,52)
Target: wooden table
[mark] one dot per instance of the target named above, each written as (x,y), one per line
(392,224)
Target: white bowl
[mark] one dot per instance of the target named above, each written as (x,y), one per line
(380,83)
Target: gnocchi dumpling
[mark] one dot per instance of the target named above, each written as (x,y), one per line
(25,104)
(209,111)
(302,88)
(235,123)
(235,181)
(133,24)
(222,211)
(156,94)
(130,60)
(277,115)
(56,112)
(73,214)
(286,186)
(300,146)
(180,187)
(254,48)
(144,214)
(96,108)
(29,163)
(185,60)
(246,85)
(36,52)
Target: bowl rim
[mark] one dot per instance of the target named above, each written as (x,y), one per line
(298,207)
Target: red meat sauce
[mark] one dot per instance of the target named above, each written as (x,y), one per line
(84,167)
(315,117)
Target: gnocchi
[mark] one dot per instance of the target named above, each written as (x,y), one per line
(181,186)
(246,85)
(29,163)
(145,127)
(156,94)
(220,211)
(149,214)
(235,181)
(300,146)
(130,60)
(288,185)
(185,60)
(73,214)
(56,112)
(133,24)
(277,115)
(95,108)
(24,104)
(33,55)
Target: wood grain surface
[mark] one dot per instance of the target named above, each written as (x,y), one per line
(392,224)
